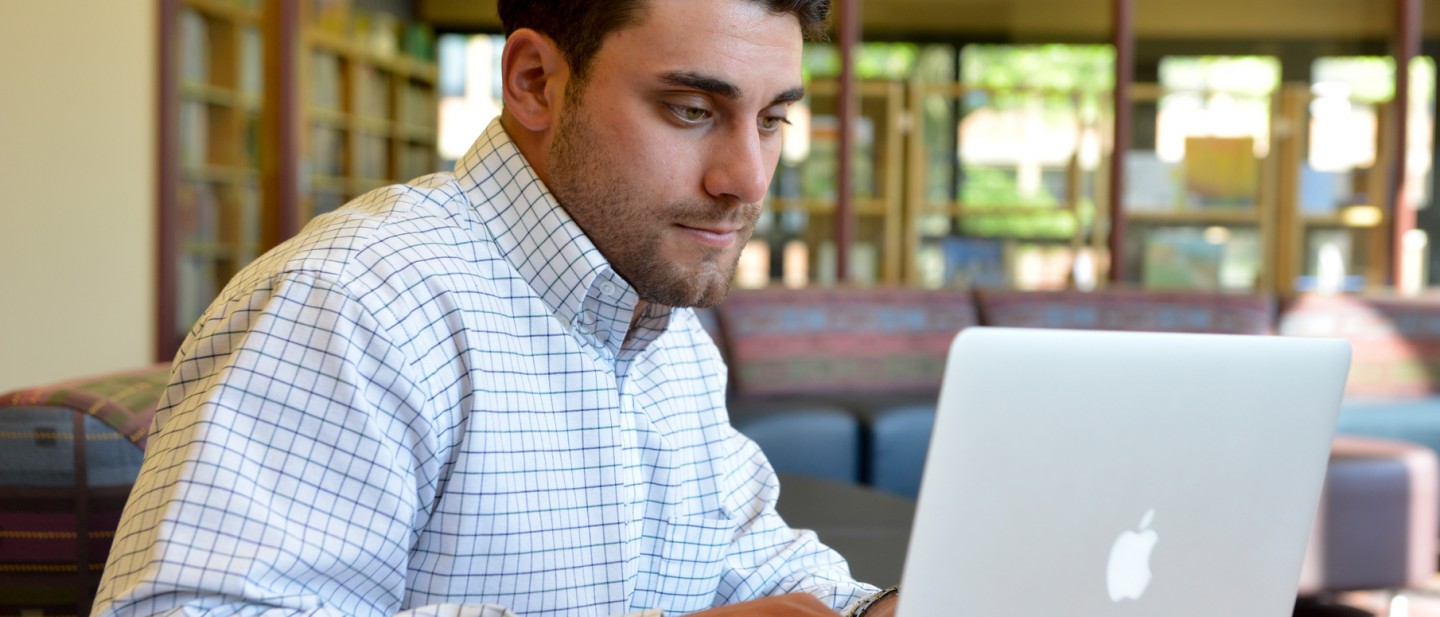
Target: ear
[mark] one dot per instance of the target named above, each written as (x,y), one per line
(534,73)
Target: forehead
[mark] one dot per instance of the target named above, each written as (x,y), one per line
(738,40)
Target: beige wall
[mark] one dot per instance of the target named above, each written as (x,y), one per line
(77,161)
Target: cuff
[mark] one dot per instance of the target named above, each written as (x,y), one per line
(858,607)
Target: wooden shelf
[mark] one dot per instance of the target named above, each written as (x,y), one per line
(1195,216)
(373,126)
(863,206)
(360,186)
(214,250)
(214,95)
(224,10)
(331,42)
(329,117)
(400,64)
(328,184)
(963,211)
(1339,221)
(218,96)
(221,174)
(416,134)
(960,211)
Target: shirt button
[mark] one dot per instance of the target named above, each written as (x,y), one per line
(609,289)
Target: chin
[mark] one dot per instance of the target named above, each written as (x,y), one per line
(702,286)
(711,285)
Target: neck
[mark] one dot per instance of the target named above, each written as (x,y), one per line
(532,145)
(640,307)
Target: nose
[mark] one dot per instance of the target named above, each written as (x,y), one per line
(739,167)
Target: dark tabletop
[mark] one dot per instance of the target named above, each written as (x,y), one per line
(870,528)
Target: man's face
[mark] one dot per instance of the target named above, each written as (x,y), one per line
(666,150)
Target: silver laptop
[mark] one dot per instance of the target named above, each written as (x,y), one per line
(1108,473)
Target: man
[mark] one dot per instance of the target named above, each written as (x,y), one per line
(476,394)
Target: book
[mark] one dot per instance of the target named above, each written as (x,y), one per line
(1221,171)
(1181,258)
(1150,183)
(1322,192)
(973,262)
(324,86)
(194,47)
(252,63)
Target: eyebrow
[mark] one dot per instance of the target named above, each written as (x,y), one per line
(720,87)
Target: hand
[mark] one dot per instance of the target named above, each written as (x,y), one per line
(788,605)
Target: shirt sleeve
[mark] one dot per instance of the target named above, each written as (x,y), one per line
(290,467)
(768,556)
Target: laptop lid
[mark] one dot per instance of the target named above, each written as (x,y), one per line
(1115,473)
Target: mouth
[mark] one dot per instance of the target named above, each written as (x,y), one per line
(718,237)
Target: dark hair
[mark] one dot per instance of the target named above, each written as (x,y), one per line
(578,27)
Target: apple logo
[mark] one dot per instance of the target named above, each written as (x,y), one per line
(1129,571)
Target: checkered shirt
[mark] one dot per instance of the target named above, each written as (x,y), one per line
(426,404)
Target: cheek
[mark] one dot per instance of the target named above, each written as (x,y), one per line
(637,144)
(657,158)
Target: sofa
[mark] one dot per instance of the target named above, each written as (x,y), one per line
(866,363)
(70,453)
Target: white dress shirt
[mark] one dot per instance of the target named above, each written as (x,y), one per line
(427,403)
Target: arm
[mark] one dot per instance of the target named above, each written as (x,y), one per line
(769,558)
(290,467)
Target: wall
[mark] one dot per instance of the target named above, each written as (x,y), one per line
(77,167)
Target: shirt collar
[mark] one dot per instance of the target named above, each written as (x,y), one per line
(542,242)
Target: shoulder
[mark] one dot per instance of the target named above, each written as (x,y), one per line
(381,242)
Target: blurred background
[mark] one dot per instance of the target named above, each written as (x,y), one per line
(152,148)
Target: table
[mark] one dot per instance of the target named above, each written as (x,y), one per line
(870,528)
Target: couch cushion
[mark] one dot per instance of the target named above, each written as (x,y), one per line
(1128,309)
(69,453)
(125,401)
(835,341)
(1395,342)
(899,441)
(821,442)
(1416,420)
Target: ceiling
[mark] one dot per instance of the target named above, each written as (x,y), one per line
(1070,19)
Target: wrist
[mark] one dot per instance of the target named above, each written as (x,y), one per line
(884,597)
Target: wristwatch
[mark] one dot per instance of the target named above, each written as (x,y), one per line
(865,604)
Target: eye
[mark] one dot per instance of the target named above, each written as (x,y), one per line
(772,123)
(691,115)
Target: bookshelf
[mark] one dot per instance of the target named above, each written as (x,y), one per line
(1002,234)
(369,111)
(220,87)
(807,190)
(253,148)
(1344,210)
(1202,208)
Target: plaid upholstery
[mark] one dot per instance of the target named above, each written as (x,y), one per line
(840,341)
(68,455)
(1129,309)
(1395,342)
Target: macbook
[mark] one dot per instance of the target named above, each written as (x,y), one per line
(1111,473)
